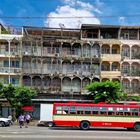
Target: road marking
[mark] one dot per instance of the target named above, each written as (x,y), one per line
(70,137)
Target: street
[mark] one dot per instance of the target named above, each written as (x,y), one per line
(63,133)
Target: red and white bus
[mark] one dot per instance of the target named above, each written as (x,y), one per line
(85,115)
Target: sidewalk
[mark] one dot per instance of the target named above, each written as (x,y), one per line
(32,123)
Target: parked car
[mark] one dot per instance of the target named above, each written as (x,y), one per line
(5,122)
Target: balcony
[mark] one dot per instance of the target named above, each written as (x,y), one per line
(111,57)
(12,71)
(110,74)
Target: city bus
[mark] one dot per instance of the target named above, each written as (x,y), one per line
(85,115)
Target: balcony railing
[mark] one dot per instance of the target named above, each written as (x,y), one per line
(110,74)
(111,57)
(136,56)
(6,70)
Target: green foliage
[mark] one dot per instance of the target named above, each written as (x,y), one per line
(133,98)
(24,95)
(1,90)
(105,92)
(17,96)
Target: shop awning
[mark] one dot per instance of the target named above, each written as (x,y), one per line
(27,108)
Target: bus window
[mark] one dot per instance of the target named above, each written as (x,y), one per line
(103,111)
(119,111)
(65,110)
(80,110)
(95,110)
(87,110)
(72,110)
(59,110)
(134,111)
(111,111)
(127,112)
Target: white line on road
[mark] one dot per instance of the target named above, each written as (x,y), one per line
(70,137)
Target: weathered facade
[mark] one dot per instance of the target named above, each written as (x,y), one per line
(59,63)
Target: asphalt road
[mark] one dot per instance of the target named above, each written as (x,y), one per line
(44,133)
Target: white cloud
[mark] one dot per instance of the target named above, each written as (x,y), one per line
(73,8)
(69,2)
(122,20)
(99,3)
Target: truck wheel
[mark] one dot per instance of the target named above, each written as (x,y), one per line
(50,124)
(137,127)
(84,125)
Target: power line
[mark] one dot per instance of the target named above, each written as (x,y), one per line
(66,17)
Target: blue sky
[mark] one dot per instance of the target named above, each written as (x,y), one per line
(99,9)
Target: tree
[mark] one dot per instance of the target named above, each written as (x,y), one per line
(17,97)
(105,92)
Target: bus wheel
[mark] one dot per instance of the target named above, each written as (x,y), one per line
(84,125)
(137,127)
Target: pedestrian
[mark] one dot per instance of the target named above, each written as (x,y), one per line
(27,120)
(21,120)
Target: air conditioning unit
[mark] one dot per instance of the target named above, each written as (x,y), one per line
(25,53)
(13,53)
(56,72)
(6,71)
(16,70)
(57,54)
(95,56)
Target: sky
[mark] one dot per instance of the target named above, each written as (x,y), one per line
(69,13)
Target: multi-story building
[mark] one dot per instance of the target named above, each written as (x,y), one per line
(64,61)
(10,61)
(120,53)
(59,63)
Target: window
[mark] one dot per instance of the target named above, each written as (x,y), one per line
(80,110)
(65,110)
(57,50)
(134,111)
(114,51)
(87,110)
(95,110)
(6,80)
(72,110)
(6,63)
(103,111)
(111,111)
(6,48)
(119,111)
(127,112)
(49,50)
(59,110)
(105,51)
(14,80)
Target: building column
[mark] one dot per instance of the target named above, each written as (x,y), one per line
(119,33)
(130,51)
(9,59)
(130,69)
(31,81)
(130,85)
(21,64)
(81,49)
(110,66)
(110,48)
